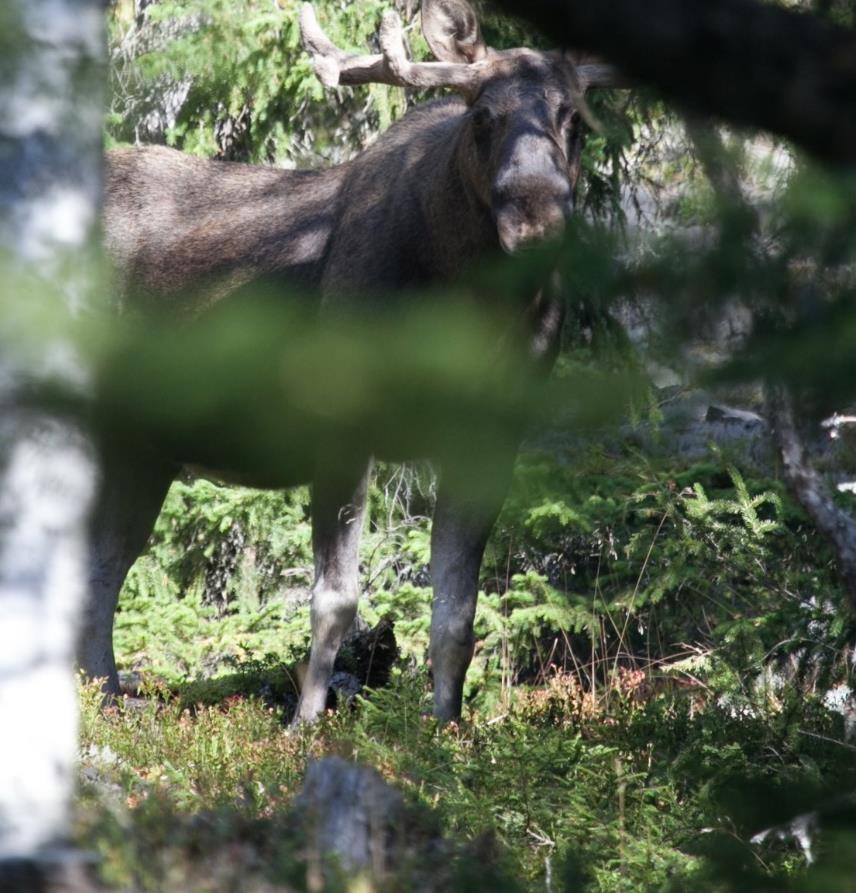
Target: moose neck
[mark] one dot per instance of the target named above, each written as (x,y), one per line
(461,225)
(407,217)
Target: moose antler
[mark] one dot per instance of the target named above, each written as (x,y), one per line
(391,66)
(334,66)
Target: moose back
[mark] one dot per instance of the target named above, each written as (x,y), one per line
(491,169)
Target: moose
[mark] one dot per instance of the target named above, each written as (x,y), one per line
(492,168)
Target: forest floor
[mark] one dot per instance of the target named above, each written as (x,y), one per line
(637,714)
(563,791)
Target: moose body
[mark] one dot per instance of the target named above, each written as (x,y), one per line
(454,180)
(183,232)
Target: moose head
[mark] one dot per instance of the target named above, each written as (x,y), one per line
(520,143)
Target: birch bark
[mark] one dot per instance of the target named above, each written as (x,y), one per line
(51,75)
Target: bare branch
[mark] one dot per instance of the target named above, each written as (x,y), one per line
(803,479)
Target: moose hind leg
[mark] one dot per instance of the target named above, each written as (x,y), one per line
(129,500)
(338,509)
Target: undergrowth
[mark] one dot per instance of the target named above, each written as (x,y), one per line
(611,560)
(628,792)
(655,651)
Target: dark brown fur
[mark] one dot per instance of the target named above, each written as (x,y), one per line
(185,230)
(450,183)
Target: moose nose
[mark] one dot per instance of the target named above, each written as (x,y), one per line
(519,224)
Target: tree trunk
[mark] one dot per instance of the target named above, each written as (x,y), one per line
(51,75)
(810,488)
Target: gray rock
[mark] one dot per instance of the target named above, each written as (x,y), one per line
(352,814)
(692,424)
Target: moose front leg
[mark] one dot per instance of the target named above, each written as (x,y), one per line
(467,506)
(338,509)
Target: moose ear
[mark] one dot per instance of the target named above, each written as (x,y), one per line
(451,28)
(593,72)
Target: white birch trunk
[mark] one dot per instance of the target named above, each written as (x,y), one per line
(51,57)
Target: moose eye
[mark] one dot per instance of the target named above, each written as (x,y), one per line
(482,127)
(482,119)
(567,117)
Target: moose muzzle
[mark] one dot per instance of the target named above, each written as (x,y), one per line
(519,224)
(533,196)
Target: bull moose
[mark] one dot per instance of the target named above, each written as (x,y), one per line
(490,169)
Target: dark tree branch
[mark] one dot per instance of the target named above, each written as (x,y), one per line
(748,62)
